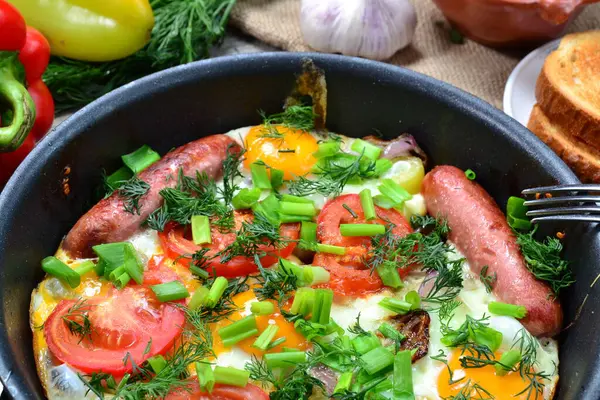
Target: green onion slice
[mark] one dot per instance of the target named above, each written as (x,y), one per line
(53,266)
(510,310)
(140,159)
(201,229)
(170,291)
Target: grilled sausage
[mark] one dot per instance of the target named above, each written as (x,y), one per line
(480,231)
(108,221)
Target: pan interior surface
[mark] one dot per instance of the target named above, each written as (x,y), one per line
(41,202)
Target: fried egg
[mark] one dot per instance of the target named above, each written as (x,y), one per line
(431,378)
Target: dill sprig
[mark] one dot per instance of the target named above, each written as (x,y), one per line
(184,31)
(276,284)
(472,391)
(77,320)
(224,307)
(487,280)
(199,196)
(544,261)
(334,174)
(430,251)
(300,117)
(131,191)
(356,328)
(251,236)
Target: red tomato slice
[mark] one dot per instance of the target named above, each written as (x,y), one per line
(123,322)
(157,272)
(220,392)
(349,275)
(176,242)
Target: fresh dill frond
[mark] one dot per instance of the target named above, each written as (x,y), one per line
(251,236)
(544,260)
(487,280)
(276,284)
(77,320)
(443,358)
(98,382)
(356,328)
(131,191)
(158,218)
(224,307)
(333,174)
(231,171)
(472,391)
(300,117)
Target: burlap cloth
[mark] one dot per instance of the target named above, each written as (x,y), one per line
(470,66)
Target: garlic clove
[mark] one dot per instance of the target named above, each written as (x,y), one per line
(374,29)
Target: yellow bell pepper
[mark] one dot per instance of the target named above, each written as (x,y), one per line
(90,30)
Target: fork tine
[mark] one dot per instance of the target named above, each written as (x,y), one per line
(559,200)
(567,218)
(562,211)
(562,189)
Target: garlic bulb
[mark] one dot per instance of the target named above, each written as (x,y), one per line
(373,29)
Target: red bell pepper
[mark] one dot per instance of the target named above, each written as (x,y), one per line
(24,55)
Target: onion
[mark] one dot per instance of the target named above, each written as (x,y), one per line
(404,145)
(427,284)
(325,375)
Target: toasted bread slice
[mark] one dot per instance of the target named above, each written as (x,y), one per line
(568,89)
(583,160)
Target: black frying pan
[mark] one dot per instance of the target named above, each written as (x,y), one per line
(176,106)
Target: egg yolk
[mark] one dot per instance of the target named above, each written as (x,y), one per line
(292,152)
(286,329)
(500,387)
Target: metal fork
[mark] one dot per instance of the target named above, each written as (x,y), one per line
(564,203)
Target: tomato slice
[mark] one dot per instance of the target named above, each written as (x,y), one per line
(176,242)
(122,322)
(349,275)
(220,392)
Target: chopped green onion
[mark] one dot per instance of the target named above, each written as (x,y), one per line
(276,178)
(344,382)
(296,199)
(382,166)
(206,376)
(389,275)
(201,229)
(330,249)
(402,378)
(122,280)
(157,363)
(113,255)
(322,306)
(362,229)
(199,272)
(260,176)
(516,214)
(246,198)
(233,340)
(507,361)
(240,326)
(315,275)
(395,305)
(283,360)
(284,218)
(486,336)
(133,265)
(383,201)
(303,301)
(377,360)
(327,149)
(367,149)
(170,291)
(290,208)
(85,267)
(53,266)
(118,177)
(470,174)
(308,231)
(231,376)
(276,343)
(262,308)
(140,159)
(366,201)
(99,268)
(414,299)
(510,310)
(365,343)
(269,208)
(394,191)
(216,291)
(390,332)
(290,350)
(199,298)
(115,273)
(265,338)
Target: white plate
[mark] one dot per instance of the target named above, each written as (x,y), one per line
(519,92)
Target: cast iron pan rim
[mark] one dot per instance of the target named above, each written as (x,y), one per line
(77,124)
